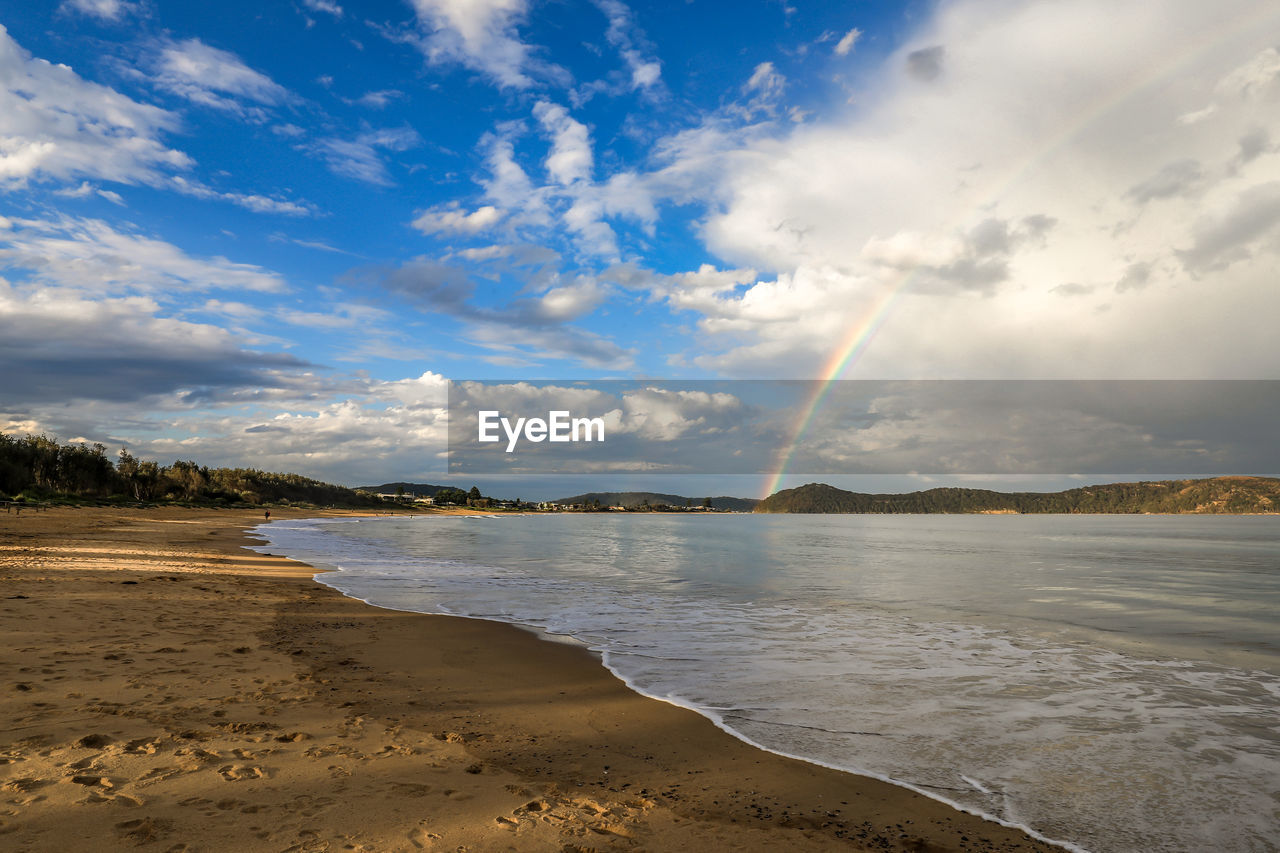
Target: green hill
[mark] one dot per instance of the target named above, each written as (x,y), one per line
(1221,495)
(656,499)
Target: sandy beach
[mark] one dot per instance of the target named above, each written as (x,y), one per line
(165,689)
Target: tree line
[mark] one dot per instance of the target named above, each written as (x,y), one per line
(40,468)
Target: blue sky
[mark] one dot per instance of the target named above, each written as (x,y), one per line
(267,236)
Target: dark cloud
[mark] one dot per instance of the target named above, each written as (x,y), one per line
(1177,178)
(1221,241)
(987,249)
(884,427)
(528,326)
(1136,276)
(108,351)
(1252,144)
(1072,289)
(926,64)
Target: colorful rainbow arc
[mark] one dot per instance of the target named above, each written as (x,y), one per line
(861,334)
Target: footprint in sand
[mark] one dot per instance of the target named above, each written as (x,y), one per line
(143,830)
(159,774)
(241,773)
(93,781)
(422,839)
(143,746)
(293,737)
(410,789)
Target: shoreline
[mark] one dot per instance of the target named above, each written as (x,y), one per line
(322,722)
(601,658)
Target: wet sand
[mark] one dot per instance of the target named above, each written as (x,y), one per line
(162,688)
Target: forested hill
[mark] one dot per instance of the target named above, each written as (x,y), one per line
(656,499)
(38,468)
(1225,495)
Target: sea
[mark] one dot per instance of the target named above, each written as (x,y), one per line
(1110,683)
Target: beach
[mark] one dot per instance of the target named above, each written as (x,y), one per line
(164,688)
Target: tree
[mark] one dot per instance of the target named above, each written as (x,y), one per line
(706,502)
(474,494)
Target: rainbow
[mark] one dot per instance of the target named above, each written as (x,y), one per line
(861,334)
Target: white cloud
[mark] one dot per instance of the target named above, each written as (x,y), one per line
(91,256)
(571,198)
(338,316)
(359,159)
(215,78)
(1005,150)
(326,6)
(249,201)
(847,42)
(379,99)
(107,10)
(570,158)
(451,218)
(645,70)
(508,185)
(55,124)
(87,189)
(765,81)
(352,430)
(482,35)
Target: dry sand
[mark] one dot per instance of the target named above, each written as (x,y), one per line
(162,688)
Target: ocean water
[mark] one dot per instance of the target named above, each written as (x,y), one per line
(1110,682)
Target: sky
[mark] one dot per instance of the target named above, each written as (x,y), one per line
(268,235)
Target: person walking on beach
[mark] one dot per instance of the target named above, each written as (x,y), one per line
(267,515)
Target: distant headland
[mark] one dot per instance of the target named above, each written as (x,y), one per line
(1233,495)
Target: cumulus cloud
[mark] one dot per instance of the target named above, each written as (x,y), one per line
(56,125)
(343,429)
(482,35)
(377,431)
(939,219)
(451,218)
(570,158)
(570,199)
